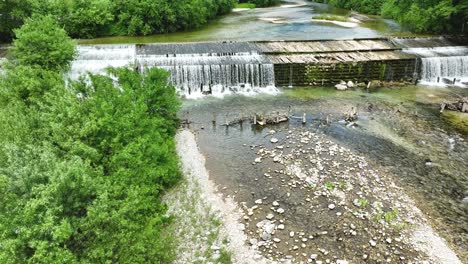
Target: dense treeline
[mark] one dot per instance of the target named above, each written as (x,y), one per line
(261,3)
(82,165)
(432,16)
(94,18)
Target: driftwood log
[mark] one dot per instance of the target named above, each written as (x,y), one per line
(461,106)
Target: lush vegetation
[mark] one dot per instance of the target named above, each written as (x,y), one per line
(245,5)
(83,164)
(331,18)
(261,3)
(433,16)
(94,18)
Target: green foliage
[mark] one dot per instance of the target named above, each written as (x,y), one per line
(363,202)
(94,18)
(245,5)
(331,18)
(433,16)
(41,42)
(261,3)
(83,166)
(330,186)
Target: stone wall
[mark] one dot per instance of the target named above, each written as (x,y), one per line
(333,73)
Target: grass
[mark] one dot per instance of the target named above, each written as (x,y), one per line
(224,257)
(245,5)
(331,18)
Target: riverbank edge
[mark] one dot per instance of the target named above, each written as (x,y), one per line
(225,209)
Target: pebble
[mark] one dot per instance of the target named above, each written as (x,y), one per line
(291,234)
(280,210)
(372,243)
(277,240)
(270,216)
(275,203)
(259,201)
(331,206)
(274,140)
(314,256)
(388,240)
(214,247)
(281,227)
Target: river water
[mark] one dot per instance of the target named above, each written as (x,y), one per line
(290,21)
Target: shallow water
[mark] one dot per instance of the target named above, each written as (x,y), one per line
(290,21)
(399,129)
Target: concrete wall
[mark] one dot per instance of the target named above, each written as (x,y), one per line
(331,74)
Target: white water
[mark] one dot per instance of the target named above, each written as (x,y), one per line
(440,65)
(435,70)
(95,59)
(194,75)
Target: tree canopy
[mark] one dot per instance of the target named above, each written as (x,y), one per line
(83,165)
(41,42)
(95,18)
(421,16)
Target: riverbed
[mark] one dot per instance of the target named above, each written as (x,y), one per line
(400,136)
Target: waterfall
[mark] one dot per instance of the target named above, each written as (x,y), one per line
(196,69)
(96,58)
(442,63)
(443,70)
(217,74)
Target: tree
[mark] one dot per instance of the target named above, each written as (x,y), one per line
(41,42)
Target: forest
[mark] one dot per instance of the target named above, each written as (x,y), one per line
(95,18)
(83,165)
(420,16)
(98,18)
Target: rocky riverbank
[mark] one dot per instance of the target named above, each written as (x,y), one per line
(333,206)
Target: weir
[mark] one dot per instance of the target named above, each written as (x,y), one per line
(219,68)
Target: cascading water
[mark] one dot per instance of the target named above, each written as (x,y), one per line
(213,68)
(445,70)
(196,69)
(216,74)
(95,59)
(440,65)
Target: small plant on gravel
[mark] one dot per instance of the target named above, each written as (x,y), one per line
(390,216)
(342,186)
(330,186)
(224,256)
(363,202)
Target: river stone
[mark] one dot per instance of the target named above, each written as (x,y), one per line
(465,200)
(280,210)
(291,234)
(275,203)
(274,140)
(277,240)
(372,243)
(270,216)
(265,236)
(341,87)
(350,84)
(331,206)
(259,201)
(281,227)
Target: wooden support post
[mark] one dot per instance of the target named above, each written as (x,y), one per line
(255,119)
(214,118)
(304,118)
(226,120)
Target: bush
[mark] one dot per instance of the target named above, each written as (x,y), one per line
(41,42)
